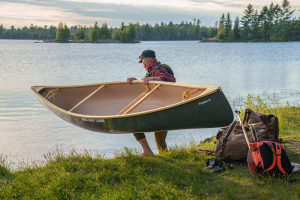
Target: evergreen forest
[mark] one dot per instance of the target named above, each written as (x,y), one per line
(272,23)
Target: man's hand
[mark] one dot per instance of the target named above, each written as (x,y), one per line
(147,79)
(129,80)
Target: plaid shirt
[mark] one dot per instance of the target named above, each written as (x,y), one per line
(159,71)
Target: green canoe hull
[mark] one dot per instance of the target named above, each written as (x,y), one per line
(209,111)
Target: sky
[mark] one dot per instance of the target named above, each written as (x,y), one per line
(22,13)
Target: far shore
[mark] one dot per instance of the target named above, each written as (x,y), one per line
(84,41)
(209,40)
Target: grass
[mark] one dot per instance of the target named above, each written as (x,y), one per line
(176,174)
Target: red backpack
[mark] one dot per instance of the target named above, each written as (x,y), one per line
(270,157)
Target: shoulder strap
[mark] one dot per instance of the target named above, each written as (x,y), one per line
(276,129)
(230,129)
(269,144)
(247,115)
(253,132)
(278,149)
(153,69)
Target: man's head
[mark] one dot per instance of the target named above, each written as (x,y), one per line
(147,56)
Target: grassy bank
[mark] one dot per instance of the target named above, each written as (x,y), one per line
(176,174)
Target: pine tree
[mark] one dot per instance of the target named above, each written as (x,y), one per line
(1,31)
(221,31)
(104,32)
(236,29)
(80,34)
(222,19)
(66,33)
(131,33)
(255,26)
(62,33)
(94,33)
(246,22)
(116,35)
(228,24)
(286,11)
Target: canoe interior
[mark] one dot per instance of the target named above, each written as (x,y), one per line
(113,98)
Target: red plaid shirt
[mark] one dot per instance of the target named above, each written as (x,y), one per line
(159,71)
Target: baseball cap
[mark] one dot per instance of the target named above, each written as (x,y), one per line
(146,54)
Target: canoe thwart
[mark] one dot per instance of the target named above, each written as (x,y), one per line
(188,94)
(85,99)
(135,103)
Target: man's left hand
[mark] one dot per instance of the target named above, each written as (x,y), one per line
(145,80)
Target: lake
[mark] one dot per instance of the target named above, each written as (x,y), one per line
(28,130)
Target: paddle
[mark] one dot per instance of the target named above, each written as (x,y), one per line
(250,161)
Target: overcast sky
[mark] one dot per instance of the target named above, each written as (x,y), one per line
(85,12)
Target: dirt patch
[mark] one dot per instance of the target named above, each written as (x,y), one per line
(291,145)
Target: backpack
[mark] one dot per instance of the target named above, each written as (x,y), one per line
(231,144)
(270,158)
(168,68)
(271,122)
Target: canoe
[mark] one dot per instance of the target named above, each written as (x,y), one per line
(117,107)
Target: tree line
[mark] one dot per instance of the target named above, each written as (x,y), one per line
(130,33)
(271,23)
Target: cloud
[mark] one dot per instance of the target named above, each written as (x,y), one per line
(215,5)
(98,10)
(18,13)
(86,12)
(175,4)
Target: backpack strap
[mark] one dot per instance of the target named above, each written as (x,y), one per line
(276,129)
(247,115)
(230,129)
(266,171)
(153,69)
(278,148)
(253,132)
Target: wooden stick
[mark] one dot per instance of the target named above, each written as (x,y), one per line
(102,86)
(142,99)
(245,134)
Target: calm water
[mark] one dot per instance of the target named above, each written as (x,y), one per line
(28,130)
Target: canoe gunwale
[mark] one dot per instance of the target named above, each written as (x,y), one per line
(208,91)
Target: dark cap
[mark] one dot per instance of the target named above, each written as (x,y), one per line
(147,54)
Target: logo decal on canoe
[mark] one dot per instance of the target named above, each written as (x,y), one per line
(204,102)
(92,120)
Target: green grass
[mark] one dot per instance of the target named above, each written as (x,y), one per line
(176,174)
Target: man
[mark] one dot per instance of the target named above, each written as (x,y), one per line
(155,72)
